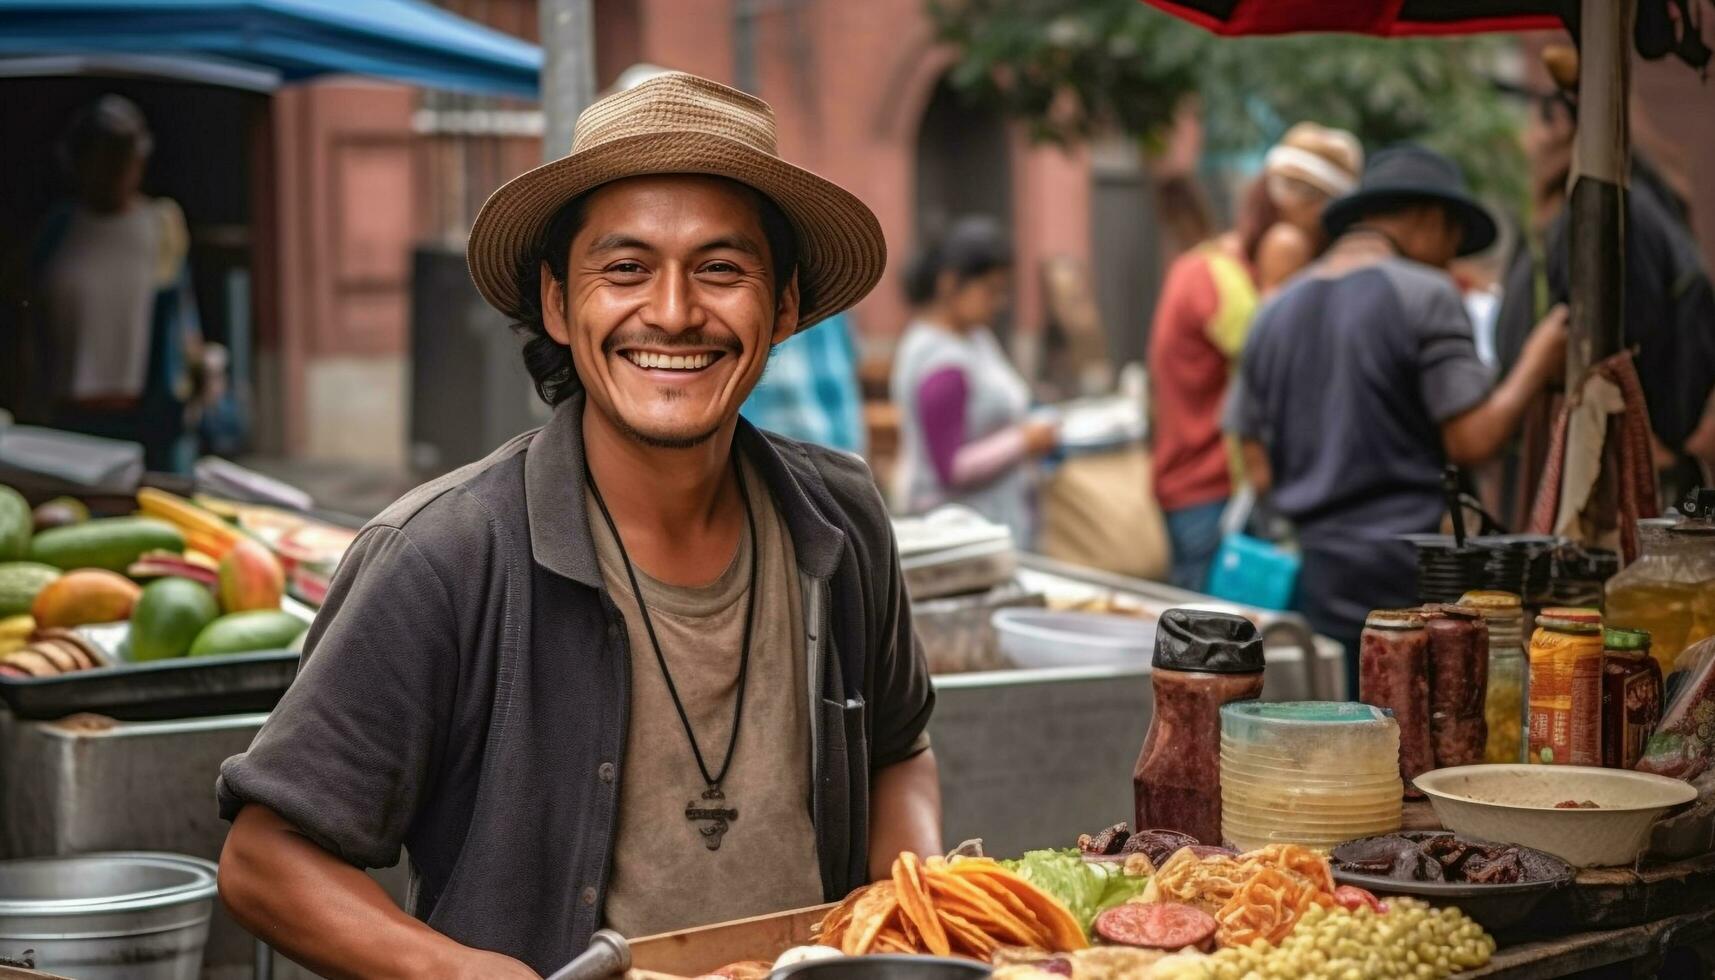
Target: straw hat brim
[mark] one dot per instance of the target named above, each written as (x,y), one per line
(841,251)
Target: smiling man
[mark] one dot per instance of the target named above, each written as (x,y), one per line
(644,668)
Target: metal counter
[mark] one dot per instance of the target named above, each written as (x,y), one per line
(1028,759)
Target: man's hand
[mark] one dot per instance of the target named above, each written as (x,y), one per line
(1040,438)
(1545,348)
(477,964)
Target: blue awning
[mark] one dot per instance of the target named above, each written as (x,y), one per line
(401,40)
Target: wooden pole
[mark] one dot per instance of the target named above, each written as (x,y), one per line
(1600,163)
(568,71)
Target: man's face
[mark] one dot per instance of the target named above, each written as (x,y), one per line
(1435,236)
(669,305)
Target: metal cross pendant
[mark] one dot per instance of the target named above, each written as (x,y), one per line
(715,815)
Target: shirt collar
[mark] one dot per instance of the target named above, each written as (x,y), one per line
(559,524)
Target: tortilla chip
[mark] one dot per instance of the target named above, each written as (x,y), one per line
(914,903)
(869,916)
(967,898)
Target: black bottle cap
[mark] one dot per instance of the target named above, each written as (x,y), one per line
(1207,642)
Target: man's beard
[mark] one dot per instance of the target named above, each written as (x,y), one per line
(654,441)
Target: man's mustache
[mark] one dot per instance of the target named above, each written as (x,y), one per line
(662,340)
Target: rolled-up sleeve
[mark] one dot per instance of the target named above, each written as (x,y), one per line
(347,755)
(1452,379)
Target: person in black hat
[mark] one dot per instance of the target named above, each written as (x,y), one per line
(1360,382)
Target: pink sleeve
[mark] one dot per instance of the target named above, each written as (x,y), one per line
(941,415)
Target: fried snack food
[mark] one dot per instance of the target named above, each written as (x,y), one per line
(964,907)
(1310,863)
(1267,905)
(1205,882)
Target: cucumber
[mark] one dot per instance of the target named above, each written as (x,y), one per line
(16,523)
(19,583)
(112,543)
(245,632)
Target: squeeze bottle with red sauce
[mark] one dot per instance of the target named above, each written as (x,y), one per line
(1202,661)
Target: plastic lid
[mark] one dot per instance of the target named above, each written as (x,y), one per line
(1571,619)
(1207,642)
(1494,604)
(1614,638)
(1306,712)
(1395,619)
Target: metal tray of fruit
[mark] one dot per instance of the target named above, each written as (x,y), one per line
(185,687)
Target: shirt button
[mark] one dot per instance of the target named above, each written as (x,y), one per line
(589,895)
(606,771)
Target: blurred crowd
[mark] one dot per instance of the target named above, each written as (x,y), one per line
(1313,366)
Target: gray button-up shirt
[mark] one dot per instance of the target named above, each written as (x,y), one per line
(464,689)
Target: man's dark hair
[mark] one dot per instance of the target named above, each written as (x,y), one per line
(111,127)
(550,362)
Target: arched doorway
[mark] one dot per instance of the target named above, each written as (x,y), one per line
(963,167)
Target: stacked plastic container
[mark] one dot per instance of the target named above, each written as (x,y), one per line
(1308,772)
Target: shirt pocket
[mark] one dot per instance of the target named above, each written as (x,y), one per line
(842,818)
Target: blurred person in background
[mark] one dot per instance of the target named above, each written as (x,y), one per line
(1207,301)
(810,391)
(1360,382)
(1669,298)
(966,432)
(1310,166)
(118,329)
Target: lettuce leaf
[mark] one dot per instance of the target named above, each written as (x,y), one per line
(1087,888)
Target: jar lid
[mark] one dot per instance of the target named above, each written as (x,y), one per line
(1571,619)
(1394,619)
(1448,610)
(1494,604)
(1207,643)
(1614,638)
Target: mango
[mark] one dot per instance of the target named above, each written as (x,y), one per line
(83,596)
(251,578)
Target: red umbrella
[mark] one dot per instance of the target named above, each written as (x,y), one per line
(1385,18)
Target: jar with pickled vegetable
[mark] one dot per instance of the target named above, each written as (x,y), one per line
(1506,704)
(1669,592)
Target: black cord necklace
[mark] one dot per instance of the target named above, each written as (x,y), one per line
(712,813)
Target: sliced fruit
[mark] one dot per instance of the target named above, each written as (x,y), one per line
(112,543)
(251,578)
(207,531)
(59,512)
(30,662)
(17,626)
(59,653)
(87,595)
(161,564)
(170,615)
(87,652)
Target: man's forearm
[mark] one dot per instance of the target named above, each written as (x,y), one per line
(326,914)
(904,812)
(1477,435)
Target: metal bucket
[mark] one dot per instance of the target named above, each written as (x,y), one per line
(116,916)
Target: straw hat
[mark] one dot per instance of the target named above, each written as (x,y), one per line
(1326,159)
(681,124)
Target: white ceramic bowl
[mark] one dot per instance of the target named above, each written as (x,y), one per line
(1515,804)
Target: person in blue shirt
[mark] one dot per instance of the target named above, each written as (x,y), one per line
(810,391)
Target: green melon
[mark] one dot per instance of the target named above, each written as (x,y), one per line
(19,583)
(247,632)
(16,525)
(169,616)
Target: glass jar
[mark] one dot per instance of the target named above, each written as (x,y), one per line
(1631,696)
(1458,683)
(1669,592)
(1566,688)
(1506,705)
(1393,673)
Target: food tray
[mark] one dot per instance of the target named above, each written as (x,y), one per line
(1497,908)
(181,688)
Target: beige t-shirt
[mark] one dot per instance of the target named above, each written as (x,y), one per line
(664,876)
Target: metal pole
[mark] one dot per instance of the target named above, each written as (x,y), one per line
(1600,164)
(568,71)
